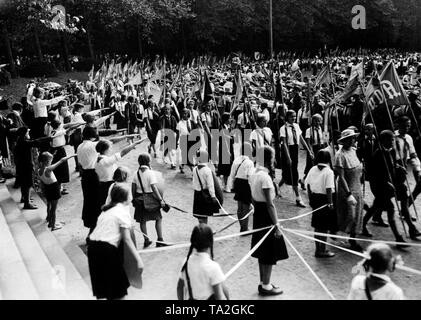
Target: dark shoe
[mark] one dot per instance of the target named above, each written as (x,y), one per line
(380,223)
(181,170)
(413,219)
(366,233)
(302,184)
(161,244)
(64,192)
(325,254)
(29,207)
(273,292)
(401,246)
(300,204)
(146,244)
(173,167)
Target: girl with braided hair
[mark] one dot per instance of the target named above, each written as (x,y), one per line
(201,278)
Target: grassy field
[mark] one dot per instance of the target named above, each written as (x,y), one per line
(17,87)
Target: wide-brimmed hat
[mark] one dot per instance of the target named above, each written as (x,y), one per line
(348,133)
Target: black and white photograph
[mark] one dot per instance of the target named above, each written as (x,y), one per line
(237,150)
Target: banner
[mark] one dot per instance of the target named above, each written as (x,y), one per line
(324,77)
(392,86)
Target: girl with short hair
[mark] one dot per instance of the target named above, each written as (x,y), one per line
(108,277)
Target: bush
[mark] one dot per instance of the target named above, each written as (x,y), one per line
(85,64)
(39,69)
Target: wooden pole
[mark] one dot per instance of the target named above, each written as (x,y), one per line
(270,29)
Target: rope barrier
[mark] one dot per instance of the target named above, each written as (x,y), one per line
(303,215)
(309,268)
(357,239)
(186,245)
(248,255)
(362,255)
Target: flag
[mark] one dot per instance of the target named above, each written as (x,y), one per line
(352,87)
(323,77)
(357,70)
(91,74)
(392,86)
(136,80)
(295,66)
(373,94)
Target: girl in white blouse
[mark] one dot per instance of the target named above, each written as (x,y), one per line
(376,285)
(145,182)
(108,277)
(106,165)
(203,181)
(201,278)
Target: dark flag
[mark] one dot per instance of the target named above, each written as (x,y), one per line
(392,86)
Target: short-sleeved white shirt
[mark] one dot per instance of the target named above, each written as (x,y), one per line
(286,130)
(204,273)
(206,178)
(106,166)
(320,180)
(109,224)
(148,179)
(183,128)
(262,136)
(87,155)
(242,168)
(315,135)
(389,291)
(261,180)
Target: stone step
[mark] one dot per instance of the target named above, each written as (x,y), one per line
(15,282)
(42,273)
(77,284)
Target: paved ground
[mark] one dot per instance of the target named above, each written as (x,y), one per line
(161,268)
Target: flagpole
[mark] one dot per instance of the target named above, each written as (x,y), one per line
(384,158)
(271,29)
(400,154)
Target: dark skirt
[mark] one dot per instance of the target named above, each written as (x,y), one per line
(62,171)
(290,172)
(52,191)
(242,190)
(272,249)
(324,219)
(141,215)
(108,278)
(185,146)
(90,186)
(152,131)
(103,192)
(24,175)
(200,207)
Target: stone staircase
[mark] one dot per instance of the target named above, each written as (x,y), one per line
(34,263)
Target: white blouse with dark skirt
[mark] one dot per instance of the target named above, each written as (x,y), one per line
(109,225)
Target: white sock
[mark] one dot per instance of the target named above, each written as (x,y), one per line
(267,286)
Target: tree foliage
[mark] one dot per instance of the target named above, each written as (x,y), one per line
(183,27)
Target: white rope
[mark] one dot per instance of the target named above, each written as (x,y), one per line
(357,239)
(233,269)
(362,255)
(309,268)
(186,245)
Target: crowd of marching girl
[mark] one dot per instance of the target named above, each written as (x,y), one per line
(108,196)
